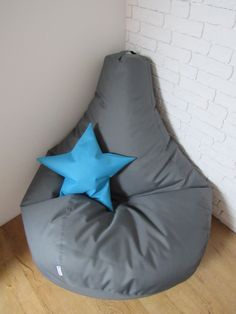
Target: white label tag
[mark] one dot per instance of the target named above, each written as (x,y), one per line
(59,271)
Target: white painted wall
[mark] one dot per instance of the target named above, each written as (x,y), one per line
(193,47)
(51,53)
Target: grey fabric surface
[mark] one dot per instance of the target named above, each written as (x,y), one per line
(159,230)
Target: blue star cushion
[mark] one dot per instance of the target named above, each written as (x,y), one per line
(86,169)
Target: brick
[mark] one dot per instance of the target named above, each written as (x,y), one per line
(154,32)
(181,136)
(182,69)
(206,116)
(193,153)
(180,114)
(208,129)
(128,10)
(132,2)
(222,159)
(160,56)
(229,129)
(174,101)
(227,216)
(168,75)
(174,52)
(193,142)
(226,101)
(216,193)
(213,81)
(197,134)
(227,4)
(191,98)
(230,142)
(231,118)
(228,190)
(233,77)
(164,85)
(233,60)
(180,8)
(183,26)
(129,46)
(210,158)
(224,156)
(147,43)
(228,219)
(229,185)
(220,53)
(132,25)
(212,15)
(126,36)
(148,16)
(192,43)
(160,5)
(217,110)
(212,66)
(226,208)
(197,88)
(173,121)
(219,35)
(172,64)
(210,170)
(154,57)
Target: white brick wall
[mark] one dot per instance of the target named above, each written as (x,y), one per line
(192,44)
(213,15)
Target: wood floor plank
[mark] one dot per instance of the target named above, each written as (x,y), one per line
(23,289)
(15,289)
(160,304)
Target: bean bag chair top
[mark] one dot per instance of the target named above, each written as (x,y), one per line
(158,231)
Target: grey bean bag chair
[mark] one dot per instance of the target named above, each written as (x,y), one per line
(158,232)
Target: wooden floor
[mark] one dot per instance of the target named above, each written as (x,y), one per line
(212,289)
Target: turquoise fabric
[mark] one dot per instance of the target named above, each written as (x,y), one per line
(86,169)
